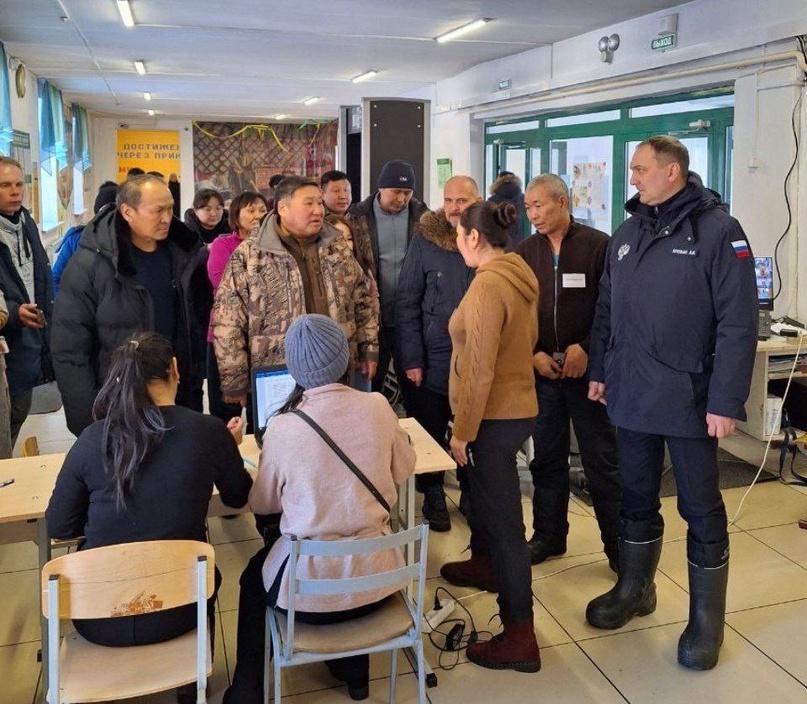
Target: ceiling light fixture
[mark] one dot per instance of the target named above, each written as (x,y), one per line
(311,101)
(140,67)
(460,31)
(280,117)
(151,113)
(146,96)
(125,10)
(364,76)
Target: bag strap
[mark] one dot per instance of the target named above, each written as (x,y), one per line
(342,456)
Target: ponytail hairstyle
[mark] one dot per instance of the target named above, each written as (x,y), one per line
(491,220)
(133,425)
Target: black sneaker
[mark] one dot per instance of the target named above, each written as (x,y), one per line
(435,510)
(540,551)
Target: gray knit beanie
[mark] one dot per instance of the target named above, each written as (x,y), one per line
(316,351)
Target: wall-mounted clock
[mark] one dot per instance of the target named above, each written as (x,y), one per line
(19,81)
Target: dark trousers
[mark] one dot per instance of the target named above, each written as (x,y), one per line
(215,400)
(694,461)
(388,351)
(247,682)
(433,411)
(497,526)
(20,408)
(559,402)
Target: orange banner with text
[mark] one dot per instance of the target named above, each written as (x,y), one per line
(149,150)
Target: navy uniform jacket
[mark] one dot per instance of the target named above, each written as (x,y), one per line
(675,329)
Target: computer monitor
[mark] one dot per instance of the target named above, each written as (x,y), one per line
(271,387)
(764,271)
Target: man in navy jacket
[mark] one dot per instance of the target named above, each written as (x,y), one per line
(26,282)
(672,352)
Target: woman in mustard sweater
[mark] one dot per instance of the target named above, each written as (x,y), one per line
(492,393)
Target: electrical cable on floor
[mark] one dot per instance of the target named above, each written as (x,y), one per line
(777,420)
(455,638)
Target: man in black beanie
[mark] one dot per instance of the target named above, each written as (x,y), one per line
(383,226)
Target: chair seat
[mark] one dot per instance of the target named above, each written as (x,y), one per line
(95,673)
(390,620)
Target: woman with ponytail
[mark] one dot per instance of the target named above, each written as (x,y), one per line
(492,394)
(145,470)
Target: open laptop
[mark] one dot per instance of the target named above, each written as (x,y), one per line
(763,266)
(271,387)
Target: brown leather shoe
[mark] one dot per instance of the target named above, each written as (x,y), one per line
(515,648)
(476,572)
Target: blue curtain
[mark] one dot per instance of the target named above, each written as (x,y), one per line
(51,125)
(5,104)
(82,153)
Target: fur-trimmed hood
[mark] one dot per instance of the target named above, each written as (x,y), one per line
(506,187)
(435,228)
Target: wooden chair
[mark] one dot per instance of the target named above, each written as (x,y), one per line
(125,580)
(395,625)
(30,447)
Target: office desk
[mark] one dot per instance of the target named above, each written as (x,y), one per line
(23,503)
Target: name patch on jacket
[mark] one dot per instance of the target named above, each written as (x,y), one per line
(685,251)
(741,249)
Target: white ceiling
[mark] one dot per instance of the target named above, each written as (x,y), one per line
(252,59)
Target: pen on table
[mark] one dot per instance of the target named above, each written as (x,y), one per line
(6,482)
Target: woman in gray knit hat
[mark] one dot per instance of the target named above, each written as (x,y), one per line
(301,477)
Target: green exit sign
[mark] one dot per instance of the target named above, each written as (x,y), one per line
(662,43)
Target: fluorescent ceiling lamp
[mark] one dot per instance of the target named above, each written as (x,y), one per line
(125,10)
(364,76)
(140,67)
(151,113)
(146,96)
(459,31)
(311,101)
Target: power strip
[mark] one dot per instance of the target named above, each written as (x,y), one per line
(435,617)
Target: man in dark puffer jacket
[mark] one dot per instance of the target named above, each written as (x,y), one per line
(433,280)
(133,272)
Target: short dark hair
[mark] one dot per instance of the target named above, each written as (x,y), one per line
(274,180)
(333,175)
(135,171)
(290,185)
(129,191)
(203,197)
(491,220)
(669,149)
(241,201)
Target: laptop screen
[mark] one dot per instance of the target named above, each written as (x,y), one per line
(271,387)
(764,271)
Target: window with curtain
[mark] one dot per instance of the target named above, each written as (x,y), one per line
(5,104)
(52,145)
(81,139)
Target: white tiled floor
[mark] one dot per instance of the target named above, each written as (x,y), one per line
(762,659)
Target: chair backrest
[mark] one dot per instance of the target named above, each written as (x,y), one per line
(30,447)
(351,585)
(128,579)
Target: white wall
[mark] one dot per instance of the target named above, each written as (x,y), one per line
(720,42)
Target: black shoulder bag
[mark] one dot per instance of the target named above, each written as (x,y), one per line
(342,456)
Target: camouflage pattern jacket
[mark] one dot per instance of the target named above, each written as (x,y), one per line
(261,293)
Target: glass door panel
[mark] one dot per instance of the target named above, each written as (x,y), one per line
(586,165)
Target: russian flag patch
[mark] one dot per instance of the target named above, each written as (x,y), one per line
(741,249)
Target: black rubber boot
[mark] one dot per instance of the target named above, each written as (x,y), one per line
(699,645)
(634,593)
(435,510)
